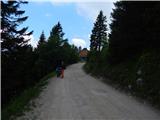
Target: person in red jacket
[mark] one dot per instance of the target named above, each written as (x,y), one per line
(62,69)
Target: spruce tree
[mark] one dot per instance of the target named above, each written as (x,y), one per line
(14,48)
(56,35)
(42,39)
(10,20)
(99,33)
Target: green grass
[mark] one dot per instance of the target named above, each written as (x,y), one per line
(21,103)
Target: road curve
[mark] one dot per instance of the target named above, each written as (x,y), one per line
(79,96)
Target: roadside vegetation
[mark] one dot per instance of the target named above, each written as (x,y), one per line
(24,101)
(22,65)
(129,57)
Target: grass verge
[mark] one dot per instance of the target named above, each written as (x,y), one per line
(17,106)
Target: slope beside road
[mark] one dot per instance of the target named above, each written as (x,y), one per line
(79,96)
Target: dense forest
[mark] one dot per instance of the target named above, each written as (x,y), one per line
(129,55)
(22,65)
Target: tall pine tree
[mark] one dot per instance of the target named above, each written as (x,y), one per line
(56,35)
(14,48)
(99,33)
(10,20)
(42,39)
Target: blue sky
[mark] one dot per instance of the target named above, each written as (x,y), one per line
(76,18)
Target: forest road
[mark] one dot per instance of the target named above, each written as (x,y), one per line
(79,96)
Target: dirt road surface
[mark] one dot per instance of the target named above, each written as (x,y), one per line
(79,96)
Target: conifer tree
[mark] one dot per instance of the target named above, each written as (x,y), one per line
(14,48)
(10,20)
(42,39)
(99,33)
(56,35)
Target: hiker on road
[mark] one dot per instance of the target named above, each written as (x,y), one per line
(60,69)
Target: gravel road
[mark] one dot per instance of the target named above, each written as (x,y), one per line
(79,96)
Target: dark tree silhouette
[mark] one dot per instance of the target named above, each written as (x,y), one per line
(14,48)
(99,33)
(134,27)
(42,39)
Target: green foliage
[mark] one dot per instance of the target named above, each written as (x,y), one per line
(10,20)
(23,66)
(98,41)
(133,28)
(56,35)
(138,76)
(149,64)
(16,53)
(42,39)
(99,33)
(55,49)
(19,104)
(131,61)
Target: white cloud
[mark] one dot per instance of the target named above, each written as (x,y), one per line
(32,41)
(86,8)
(79,42)
(91,9)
